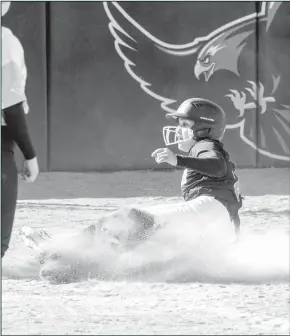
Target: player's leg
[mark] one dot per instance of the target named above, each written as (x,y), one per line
(128,224)
(134,225)
(9,185)
(206,213)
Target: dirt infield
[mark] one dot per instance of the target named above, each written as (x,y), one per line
(66,201)
(254,182)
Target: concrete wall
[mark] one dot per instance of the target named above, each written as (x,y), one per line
(102,76)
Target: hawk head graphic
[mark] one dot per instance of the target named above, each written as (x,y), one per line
(221,53)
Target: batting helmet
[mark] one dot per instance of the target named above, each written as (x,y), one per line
(209,118)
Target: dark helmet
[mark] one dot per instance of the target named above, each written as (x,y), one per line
(209,118)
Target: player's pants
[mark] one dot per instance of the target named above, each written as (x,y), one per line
(204,211)
(9,186)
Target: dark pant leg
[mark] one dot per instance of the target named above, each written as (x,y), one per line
(9,188)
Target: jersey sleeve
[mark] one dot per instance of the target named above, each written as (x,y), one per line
(206,158)
(207,149)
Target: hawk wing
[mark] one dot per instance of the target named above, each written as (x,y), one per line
(158,73)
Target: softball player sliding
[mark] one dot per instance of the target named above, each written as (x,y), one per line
(209,187)
(209,184)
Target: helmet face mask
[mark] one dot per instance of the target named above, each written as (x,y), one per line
(173,135)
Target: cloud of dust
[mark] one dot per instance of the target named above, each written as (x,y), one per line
(182,254)
(176,253)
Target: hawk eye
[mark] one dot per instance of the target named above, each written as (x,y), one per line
(206,60)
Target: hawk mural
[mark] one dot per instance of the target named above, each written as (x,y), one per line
(224,66)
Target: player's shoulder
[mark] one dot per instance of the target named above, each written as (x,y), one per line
(206,145)
(8,36)
(9,39)
(11,47)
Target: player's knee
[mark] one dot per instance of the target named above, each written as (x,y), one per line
(141,217)
(143,223)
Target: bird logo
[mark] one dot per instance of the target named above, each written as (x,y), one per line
(214,66)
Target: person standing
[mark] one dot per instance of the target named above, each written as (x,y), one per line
(14,129)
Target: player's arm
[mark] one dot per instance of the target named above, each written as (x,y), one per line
(208,161)
(18,129)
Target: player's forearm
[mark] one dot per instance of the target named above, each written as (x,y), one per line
(17,126)
(214,167)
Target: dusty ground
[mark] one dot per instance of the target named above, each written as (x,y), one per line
(62,201)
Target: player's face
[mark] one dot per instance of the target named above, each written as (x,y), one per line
(185,123)
(184,133)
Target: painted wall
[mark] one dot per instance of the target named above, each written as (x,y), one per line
(103,75)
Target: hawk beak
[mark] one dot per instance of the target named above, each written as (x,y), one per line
(208,71)
(198,69)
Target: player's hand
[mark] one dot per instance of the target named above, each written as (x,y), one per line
(30,170)
(25,107)
(164,155)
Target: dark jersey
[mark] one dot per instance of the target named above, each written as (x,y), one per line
(211,173)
